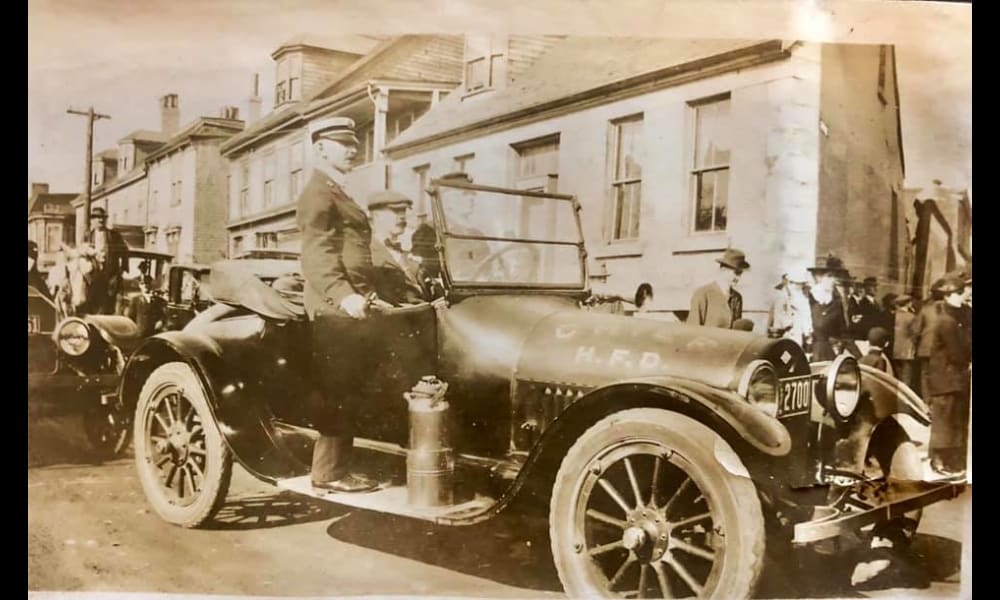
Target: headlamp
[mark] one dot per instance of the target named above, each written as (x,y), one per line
(72,336)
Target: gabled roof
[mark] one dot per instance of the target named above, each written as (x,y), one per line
(200,128)
(570,70)
(36,203)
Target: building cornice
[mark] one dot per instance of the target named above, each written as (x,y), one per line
(719,64)
(274,213)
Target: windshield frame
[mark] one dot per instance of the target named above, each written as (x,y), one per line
(442,234)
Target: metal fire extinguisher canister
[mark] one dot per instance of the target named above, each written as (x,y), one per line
(430,464)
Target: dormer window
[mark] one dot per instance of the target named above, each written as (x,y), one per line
(288,82)
(485,62)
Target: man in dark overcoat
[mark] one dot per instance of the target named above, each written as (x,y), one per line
(718,303)
(395,274)
(112,262)
(948,380)
(338,295)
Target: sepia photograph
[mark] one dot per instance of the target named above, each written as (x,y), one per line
(465,300)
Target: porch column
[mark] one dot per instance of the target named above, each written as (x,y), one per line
(381,110)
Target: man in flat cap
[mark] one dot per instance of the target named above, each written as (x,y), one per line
(948,380)
(717,303)
(112,261)
(336,265)
(395,273)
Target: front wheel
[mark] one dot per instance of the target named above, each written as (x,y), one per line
(184,464)
(643,507)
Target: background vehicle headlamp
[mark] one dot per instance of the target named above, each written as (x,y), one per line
(843,387)
(759,385)
(72,336)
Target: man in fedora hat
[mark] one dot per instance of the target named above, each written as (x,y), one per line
(395,273)
(948,379)
(339,292)
(827,307)
(717,303)
(112,260)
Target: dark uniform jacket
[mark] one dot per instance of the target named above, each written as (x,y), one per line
(950,352)
(924,327)
(116,257)
(396,283)
(336,245)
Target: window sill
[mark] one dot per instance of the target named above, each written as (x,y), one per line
(621,249)
(698,243)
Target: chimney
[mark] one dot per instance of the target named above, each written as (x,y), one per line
(39,188)
(230,112)
(255,102)
(170,114)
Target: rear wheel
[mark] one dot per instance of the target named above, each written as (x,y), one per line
(183,462)
(643,507)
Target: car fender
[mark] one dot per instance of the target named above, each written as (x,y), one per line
(242,417)
(755,439)
(884,399)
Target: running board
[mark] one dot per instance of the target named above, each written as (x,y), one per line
(841,522)
(392,499)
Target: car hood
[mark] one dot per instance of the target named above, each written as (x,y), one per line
(587,349)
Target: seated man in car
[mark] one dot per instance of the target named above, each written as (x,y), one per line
(394,272)
(465,256)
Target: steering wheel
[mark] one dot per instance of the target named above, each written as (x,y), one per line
(480,269)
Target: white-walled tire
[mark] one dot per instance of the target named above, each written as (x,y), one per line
(182,460)
(642,504)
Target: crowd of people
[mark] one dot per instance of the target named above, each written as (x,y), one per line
(924,342)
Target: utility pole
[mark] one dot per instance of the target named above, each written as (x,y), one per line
(91,117)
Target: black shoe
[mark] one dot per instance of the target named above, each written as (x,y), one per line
(349,484)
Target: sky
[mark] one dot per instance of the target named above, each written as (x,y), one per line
(120,57)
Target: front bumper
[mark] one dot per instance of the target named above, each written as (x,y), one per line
(854,514)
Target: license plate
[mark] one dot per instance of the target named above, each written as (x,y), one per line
(34,324)
(796,396)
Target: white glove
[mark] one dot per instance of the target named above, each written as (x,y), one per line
(354,305)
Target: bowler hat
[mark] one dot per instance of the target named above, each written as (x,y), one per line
(340,129)
(830,264)
(870,281)
(98,213)
(734,259)
(388,199)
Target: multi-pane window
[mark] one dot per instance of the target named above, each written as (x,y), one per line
(295,176)
(484,61)
(288,83)
(710,171)
(53,237)
(150,237)
(245,188)
(537,165)
(267,239)
(269,180)
(626,178)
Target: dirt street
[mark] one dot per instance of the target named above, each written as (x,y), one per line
(89,529)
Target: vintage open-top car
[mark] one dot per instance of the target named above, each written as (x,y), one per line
(667,455)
